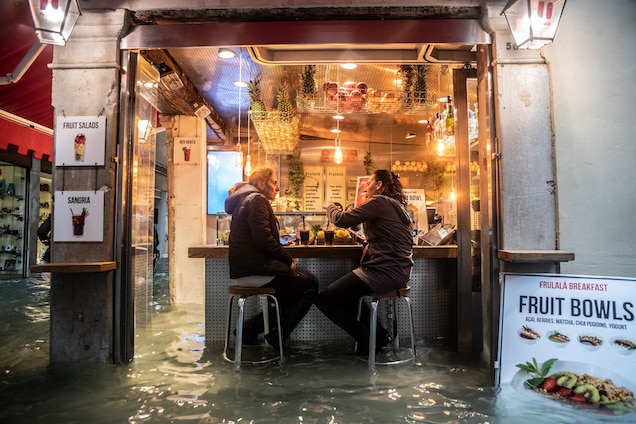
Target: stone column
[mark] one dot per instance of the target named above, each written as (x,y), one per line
(86,83)
(186,211)
(525,140)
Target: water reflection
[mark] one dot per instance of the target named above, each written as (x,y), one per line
(174,378)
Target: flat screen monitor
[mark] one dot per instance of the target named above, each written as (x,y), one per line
(221,174)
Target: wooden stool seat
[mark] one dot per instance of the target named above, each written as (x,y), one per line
(393,296)
(240,294)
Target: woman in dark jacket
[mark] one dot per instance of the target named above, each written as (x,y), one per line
(257,258)
(387,258)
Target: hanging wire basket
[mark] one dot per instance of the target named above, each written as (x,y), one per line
(278,134)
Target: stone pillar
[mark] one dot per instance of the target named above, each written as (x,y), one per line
(86,83)
(525,140)
(186,211)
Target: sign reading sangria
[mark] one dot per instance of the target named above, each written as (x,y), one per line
(78,216)
(569,341)
(80,140)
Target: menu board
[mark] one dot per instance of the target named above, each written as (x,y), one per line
(78,216)
(564,328)
(336,185)
(185,150)
(312,189)
(572,318)
(80,140)
(416,198)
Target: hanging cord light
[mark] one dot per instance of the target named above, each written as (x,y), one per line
(337,155)
(238,157)
(248,160)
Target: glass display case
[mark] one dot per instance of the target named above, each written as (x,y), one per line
(12,223)
(46,206)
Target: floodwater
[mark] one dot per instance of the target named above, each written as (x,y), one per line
(174,378)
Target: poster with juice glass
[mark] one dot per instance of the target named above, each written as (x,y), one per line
(80,140)
(569,342)
(78,216)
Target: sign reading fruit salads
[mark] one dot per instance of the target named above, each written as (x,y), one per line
(571,340)
(80,140)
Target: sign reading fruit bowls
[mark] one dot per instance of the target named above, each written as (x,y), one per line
(570,339)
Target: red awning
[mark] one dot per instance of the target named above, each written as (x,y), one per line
(28,98)
(26,139)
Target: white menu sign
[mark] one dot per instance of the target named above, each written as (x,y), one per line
(80,140)
(587,323)
(312,189)
(336,185)
(78,216)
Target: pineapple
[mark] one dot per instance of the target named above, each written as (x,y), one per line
(308,89)
(258,106)
(309,86)
(408,81)
(285,107)
(420,89)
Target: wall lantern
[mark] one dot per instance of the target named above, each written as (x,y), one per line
(533,22)
(54,19)
(168,77)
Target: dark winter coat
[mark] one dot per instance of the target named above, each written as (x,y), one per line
(387,258)
(254,236)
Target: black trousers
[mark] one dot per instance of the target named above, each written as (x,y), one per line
(339,302)
(295,296)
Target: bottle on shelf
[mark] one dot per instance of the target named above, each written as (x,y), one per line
(450,118)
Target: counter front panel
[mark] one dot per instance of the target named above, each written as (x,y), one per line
(433,292)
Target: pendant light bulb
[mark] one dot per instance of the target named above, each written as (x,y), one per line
(440,147)
(248,166)
(337,155)
(238,156)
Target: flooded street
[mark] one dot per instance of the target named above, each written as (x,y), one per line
(174,378)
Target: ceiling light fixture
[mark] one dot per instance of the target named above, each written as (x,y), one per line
(200,109)
(226,53)
(240,83)
(168,77)
(54,19)
(338,117)
(409,135)
(533,23)
(348,65)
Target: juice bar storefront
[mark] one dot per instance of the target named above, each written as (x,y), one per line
(424,118)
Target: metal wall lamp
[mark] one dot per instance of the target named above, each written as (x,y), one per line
(169,77)
(54,19)
(533,22)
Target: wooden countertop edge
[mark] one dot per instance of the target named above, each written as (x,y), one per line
(212,251)
(75,267)
(535,255)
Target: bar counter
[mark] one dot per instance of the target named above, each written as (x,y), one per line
(433,290)
(339,251)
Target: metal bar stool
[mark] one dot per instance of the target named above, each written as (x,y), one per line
(241,294)
(393,296)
